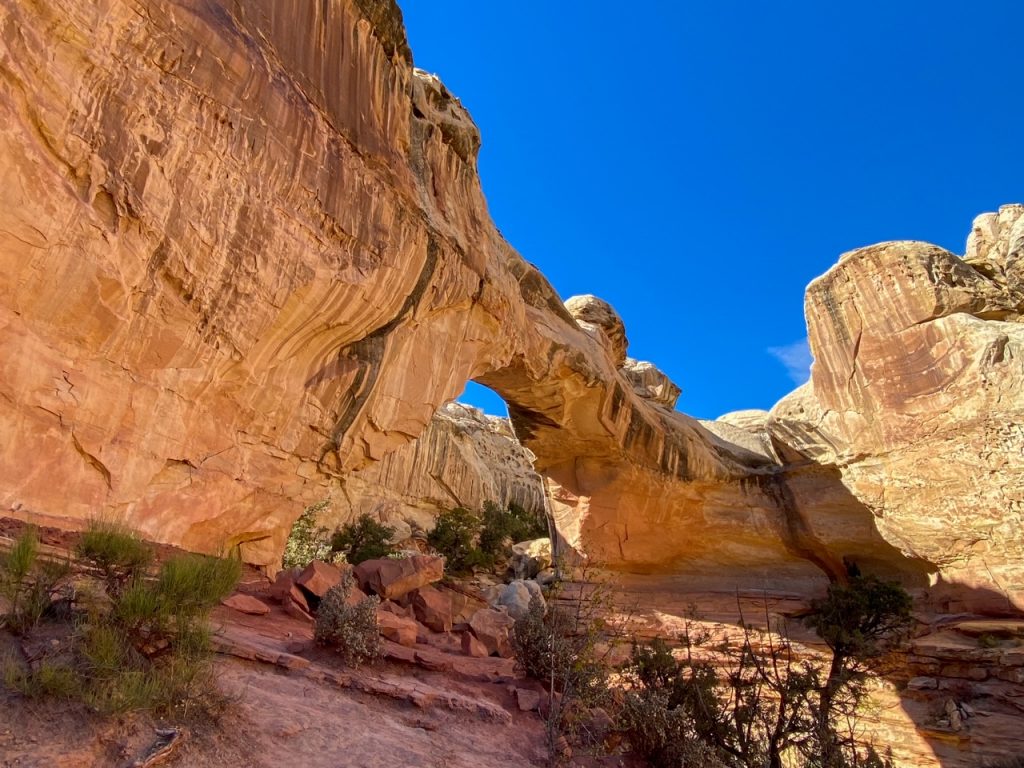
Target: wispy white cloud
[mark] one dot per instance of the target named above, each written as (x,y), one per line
(796,358)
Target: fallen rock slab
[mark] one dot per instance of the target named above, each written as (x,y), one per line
(471,646)
(318,577)
(293,609)
(492,627)
(397,629)
(246,604)
(391,579)
(413,691)
(434,608)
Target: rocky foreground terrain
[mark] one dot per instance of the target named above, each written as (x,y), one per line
(245,260)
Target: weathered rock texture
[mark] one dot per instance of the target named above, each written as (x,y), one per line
(244,257)
(917,399)
(464,458)
(245,254)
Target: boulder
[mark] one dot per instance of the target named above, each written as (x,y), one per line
(391,579)
(515,597)
(355,596)
(283,583)
(471,646)
(527,699)
(463,605)
(530,557)
(492,628)
(399,610)
(547,576)
(433,607)
(397,629)
(294,609)
(318,577)
(246,604)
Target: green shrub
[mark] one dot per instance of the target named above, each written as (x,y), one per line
(549,647)
(27,583)
(501,528)
(117,552)
(307,541)
(148,646)
(454,536)
(351,630)
(663,735)
(468,540)
(365,539)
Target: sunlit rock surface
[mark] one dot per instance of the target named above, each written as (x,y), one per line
(244,254)
(919,383)
(465,458)
(245,257)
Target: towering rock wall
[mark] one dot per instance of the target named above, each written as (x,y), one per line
(918,396)
(244,258)
(244,253)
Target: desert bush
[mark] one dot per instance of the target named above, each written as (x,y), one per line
(758,704)
(662,734)
(454,536)
(550,648)
(117,552)
(502,527)
(147,647)
(365,539)
(351,630)
(307,541)
(749,710)
(27,583)
(469,540)
(566,648)
(859,621)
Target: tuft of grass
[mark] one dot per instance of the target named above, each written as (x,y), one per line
(193,584)
(27,583)
(988,640)
(147,647)
(118,553)
(48,679)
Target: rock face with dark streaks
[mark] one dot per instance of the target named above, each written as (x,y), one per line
(245,254)
(245,257)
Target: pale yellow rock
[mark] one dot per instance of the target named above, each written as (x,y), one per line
(916,398)
(464,458)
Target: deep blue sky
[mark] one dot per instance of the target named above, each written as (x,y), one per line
(698,163)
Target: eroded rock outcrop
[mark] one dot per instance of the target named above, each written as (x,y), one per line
(245,254)
(905,451)
(464,458)
(916,395)
(245,257)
